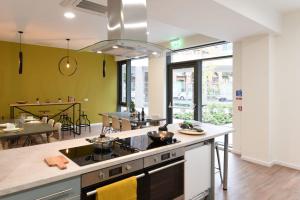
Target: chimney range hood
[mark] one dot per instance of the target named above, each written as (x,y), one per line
(127,31)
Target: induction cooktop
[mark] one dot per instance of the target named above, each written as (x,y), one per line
(89,154)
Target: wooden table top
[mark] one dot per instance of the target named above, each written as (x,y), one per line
(26,129)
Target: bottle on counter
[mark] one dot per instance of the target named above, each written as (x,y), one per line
(139,116)
(143,114)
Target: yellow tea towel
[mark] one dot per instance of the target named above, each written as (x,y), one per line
(122,190)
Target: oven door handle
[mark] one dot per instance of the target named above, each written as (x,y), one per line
(165,167)
(94,191)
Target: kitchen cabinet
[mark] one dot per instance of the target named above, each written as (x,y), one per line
(68,189)
(197,171)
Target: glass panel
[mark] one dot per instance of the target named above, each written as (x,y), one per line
(217,92)
(183,94)
(139,83)
(123,83)
(224,49)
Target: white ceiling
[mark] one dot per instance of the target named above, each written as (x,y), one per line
(282,6)
(43,22)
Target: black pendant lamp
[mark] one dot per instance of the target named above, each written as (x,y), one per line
(20,53)
(104,67)
(67,65)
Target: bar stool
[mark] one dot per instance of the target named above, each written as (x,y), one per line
(84,121)
(106,125)
(219,169)
(116,125)
(125,125)
(65,120)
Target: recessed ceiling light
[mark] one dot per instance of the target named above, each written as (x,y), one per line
(69,15)
(99,51)
(154,53)
(147,32)
(115,47)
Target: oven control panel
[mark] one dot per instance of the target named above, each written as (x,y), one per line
(111,172)
(162,157)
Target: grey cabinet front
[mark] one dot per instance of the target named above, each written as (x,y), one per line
(68,189)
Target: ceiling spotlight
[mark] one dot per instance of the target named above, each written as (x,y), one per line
(69,15)
(115,47)
(154,53)
(99,51)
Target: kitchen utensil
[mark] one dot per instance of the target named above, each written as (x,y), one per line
(163,128)
(191,132)
(102,142)
(59,161)
(161,136)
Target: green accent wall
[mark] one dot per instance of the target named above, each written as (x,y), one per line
(41,78)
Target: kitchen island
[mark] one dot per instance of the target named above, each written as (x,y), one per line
(23,169)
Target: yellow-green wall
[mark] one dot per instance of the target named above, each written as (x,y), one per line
(42,79)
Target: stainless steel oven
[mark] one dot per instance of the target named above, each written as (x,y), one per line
(159,177)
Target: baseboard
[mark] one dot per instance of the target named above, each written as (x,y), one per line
(256,161)
(96,124)
(235,152)
(284,164)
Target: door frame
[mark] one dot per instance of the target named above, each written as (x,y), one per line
(197,84)
(197,100)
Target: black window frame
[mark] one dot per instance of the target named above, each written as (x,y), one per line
(128,84)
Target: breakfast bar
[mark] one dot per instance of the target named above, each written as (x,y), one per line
(14,182)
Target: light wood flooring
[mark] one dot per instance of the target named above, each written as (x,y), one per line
(248,181)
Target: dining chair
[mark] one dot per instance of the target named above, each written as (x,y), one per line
(57,128)
(125,125)
(116,125)
(44,119)
(51,122)
(106,125)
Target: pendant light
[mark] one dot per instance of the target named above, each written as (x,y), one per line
(104,67)
(67,65)
(20,53)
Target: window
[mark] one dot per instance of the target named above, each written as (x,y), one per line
(133,84)
(197,53)
(139,83)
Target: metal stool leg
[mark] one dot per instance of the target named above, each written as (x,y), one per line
(219,162)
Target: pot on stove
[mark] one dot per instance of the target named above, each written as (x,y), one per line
(102,142)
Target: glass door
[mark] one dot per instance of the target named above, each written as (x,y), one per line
(182,99)
(217,88)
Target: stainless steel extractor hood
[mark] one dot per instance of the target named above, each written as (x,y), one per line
(127,31)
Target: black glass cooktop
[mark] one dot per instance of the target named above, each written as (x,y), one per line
(143,142)
(88,154)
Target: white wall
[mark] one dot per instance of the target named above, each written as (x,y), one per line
(255,85)
(286,93)
(268,126)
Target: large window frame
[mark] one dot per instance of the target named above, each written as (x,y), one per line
(197,80)
(121,103)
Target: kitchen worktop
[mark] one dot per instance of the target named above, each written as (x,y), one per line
(24,168)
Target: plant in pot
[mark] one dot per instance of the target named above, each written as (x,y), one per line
(132,107)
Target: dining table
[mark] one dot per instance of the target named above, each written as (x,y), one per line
(134,119)
(25,129)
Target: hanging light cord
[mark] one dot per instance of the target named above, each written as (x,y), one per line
(68,49)
(20,40)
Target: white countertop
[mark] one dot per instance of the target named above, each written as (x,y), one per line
(24,168)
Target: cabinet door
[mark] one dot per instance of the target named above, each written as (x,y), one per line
(67,189)
(197,170)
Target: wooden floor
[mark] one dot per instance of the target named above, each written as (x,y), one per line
(248,181)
